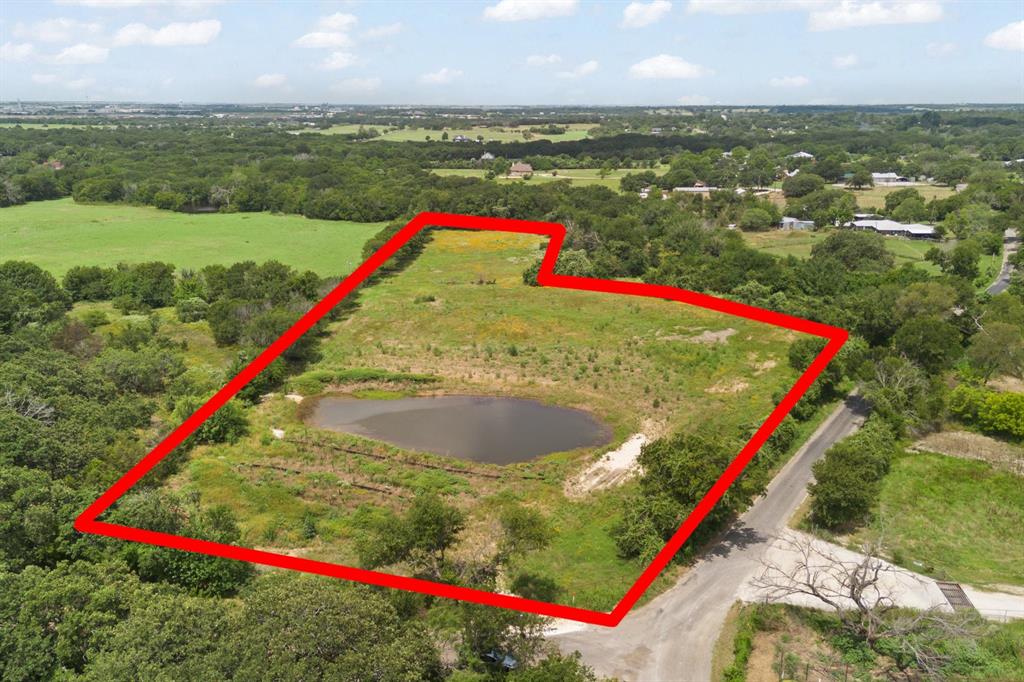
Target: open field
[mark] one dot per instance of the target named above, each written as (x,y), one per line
(640,365)
(576,131)
(952,518)
(576,176)
(874,197)
(57,235)
(46,126)
(798,243)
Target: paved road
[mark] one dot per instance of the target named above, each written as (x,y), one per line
(1010,244)
(671,638)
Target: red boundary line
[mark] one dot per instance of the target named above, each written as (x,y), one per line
(87,521)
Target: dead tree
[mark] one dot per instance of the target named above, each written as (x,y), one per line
(858,590)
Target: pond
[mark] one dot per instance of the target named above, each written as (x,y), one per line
(479,428)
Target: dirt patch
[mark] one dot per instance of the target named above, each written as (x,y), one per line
(1007,384)
(762,367)
(709,337)
(728,386)
(967,445)
(611,469)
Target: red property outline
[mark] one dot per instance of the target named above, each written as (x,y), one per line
(87,521)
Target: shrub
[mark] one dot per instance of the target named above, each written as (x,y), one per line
(226,425)
(191,309)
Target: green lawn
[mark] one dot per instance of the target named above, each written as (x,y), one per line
(798,243)
(874,197)
(952,518)
(576,131)
(58,235)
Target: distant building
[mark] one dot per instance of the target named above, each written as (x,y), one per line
(519,169)
(801,155)
(487,156)
(789,223)
(889,178)
(891,228)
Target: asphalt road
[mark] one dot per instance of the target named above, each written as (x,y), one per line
(671,638)
(1003,280)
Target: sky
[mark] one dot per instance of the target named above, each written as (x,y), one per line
(514,52)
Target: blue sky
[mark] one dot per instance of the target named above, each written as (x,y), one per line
(515,51)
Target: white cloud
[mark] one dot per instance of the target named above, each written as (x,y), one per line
(171,35)
(789,81)
(1009,37)
(845,61)
(543,59)
(637,14)
(338,60)
(270,80)
(748,6)
(940,49)
(694,100)
(59,30)
(385,31)
(584,69)
(441,77)
(337,22)
(82,53)
(44,78)
(80,83)
(527,10)
(16,52)
(321,39)
(357,85)
(853,14)
(666,66)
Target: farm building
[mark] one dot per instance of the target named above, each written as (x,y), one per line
(892,228)
(888,178)
(520,169)
(788,223)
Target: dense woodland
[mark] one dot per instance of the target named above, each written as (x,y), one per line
(78,407)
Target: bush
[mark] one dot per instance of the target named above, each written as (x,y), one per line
(226,425)
(191,309)
(94,318)
(756,220)
(89,283)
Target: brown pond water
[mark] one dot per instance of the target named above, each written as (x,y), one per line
(477,428)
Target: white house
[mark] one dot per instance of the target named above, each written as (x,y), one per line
(801,155)
(789,223)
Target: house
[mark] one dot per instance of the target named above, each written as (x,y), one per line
(789,223)
(801,155)
(487,156)
(889,179)
(793,173)
(55,165)
(891,228)
(520,170)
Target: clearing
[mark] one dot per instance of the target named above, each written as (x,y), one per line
(798,243)
(461,312)
(951,519)
(60,234)
(874,197)
(576,176)
(576,131)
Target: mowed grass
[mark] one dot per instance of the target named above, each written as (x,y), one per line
(576,131)
(799,243)
(576,176)
(874,197)
(60,234)
(952,518)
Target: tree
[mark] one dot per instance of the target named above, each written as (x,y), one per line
(860,593)
(88,283)
(802,184)
(226,425)
(756,220)
(960,261)
(525,530)
(861,178)
(29,294)
(854,250)
(420,536)
(997,349)
(931,342)
(910,211)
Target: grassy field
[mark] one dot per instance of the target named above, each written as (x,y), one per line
(952,518)
(576,131)
(874,197)
(640,365)
(799,243)
(576,176)
(57,235)
(46,126)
